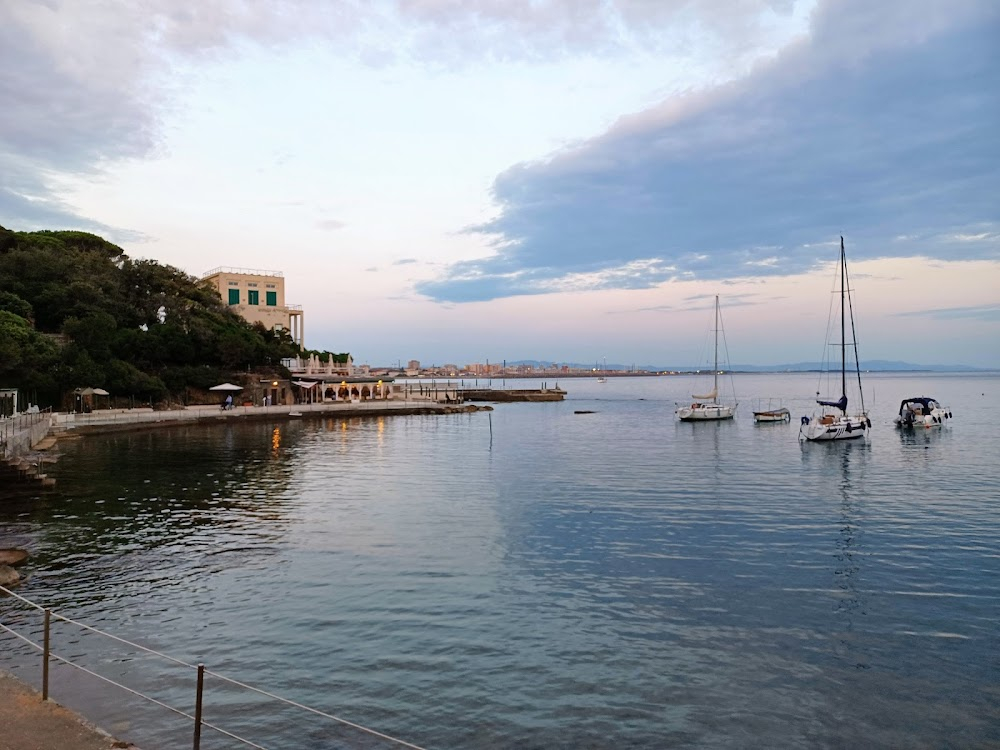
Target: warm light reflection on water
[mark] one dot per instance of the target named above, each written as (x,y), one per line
(543,579)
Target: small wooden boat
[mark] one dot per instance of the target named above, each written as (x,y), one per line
(781,414)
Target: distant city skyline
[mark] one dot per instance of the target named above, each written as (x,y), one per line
(573,179)
(515,365)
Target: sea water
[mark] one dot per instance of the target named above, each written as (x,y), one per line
(535,577)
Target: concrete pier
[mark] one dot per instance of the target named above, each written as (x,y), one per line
(114,419)
(29,723)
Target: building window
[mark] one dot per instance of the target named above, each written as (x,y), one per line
(234,283)
(272,298)
(253,297)
(270,286)
(234,296)
(251,283)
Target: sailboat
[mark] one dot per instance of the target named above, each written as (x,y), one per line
(707,407)
(604,370)
(832,421)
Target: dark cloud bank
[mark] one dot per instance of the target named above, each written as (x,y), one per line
(893,146)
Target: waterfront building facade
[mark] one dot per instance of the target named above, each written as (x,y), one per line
(259,297)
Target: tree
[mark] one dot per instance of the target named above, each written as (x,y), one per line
(79,312)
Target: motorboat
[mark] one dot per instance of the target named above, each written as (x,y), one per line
(921,411)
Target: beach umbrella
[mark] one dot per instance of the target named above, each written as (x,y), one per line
(226,387)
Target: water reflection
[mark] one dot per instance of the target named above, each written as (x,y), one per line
(134,505)
(839,470)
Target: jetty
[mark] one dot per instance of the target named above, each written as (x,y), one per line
(512,395)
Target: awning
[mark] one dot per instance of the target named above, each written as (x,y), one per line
(226,387)
(303,384)
(101,392)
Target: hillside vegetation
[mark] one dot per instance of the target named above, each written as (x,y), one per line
(76,311)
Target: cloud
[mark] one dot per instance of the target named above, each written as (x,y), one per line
(987,313)
(86,85)
(405,261)
(880,125)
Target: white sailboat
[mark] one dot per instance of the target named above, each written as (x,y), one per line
(832,421)
(707,407)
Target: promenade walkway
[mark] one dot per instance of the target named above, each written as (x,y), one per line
(29,723)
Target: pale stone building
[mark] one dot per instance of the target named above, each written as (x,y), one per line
(259,297)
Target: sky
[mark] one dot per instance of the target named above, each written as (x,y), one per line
(456,181)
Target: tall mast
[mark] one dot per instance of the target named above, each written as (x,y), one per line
(715,370)
(843,333)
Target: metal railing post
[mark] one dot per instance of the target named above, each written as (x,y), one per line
(45,656)
(197,707)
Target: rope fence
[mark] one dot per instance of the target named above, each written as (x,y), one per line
(197,719)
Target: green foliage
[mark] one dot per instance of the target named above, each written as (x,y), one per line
(26,356)
(133,327)
(12,303)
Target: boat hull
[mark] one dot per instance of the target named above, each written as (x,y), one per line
(705,413)
(827,428)
(772,415)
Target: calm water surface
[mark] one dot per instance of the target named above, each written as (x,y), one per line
(537,578)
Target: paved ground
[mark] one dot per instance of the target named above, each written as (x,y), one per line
(29,723)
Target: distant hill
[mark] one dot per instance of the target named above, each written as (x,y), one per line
(875,365)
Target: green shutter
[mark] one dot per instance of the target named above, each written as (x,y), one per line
(272,298)
(253,297)
(234,296)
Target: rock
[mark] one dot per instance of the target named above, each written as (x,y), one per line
(13,557)
(8,576)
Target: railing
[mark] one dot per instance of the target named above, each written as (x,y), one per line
(15,431)
(199,670)
(244,271)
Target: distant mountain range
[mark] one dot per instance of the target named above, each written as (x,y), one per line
(876,365)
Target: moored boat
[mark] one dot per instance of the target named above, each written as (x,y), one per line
(707,407)
(921,411)
(833,421)
(779,414)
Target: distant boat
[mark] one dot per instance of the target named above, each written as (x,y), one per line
(921,411)
(603,379)
(707,406)
(833,422)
